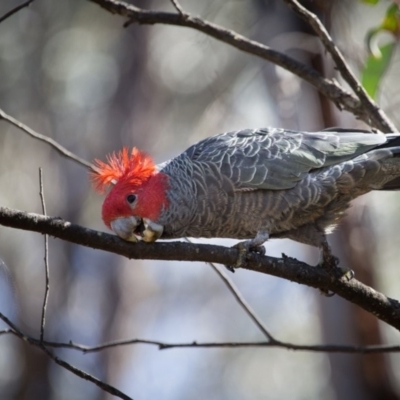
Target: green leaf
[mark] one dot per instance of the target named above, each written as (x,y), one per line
(390,24)
(391,21)
(372,2)
(375,68)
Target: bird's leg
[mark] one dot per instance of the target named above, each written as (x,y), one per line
(254,245)
(330,263)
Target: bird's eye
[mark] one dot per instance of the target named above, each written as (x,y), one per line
(131,198)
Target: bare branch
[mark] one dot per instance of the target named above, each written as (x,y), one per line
(275,344)
(240,299)
(46,260)
(178,7)
(82,374)
(328,348)
(51,142)
(330,88)
(383,307)
(15,10)
(377,115)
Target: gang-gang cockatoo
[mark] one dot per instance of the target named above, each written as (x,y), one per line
(249,184)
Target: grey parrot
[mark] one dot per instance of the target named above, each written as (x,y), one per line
(253,184)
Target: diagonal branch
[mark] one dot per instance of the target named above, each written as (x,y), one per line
(51,142)
(240,299)
(178,7)
(331,89)
(385,308)
(15,10)
(243,303)
(376,113)
(82,374)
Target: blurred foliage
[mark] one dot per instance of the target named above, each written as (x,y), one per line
(380,55)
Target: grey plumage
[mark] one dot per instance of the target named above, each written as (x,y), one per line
(285,183)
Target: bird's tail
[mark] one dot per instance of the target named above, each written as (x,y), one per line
(392,160)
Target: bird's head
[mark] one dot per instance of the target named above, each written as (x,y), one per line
(137,195)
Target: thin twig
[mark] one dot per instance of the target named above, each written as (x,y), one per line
(46,260)
(375,112)
(327,348)
(84,375)
(42,346)
(269,344)
(240,299)
(383,307)
(178,7)
(15,10)
(55,145)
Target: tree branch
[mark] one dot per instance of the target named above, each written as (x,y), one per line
(377,115)
(328,348)
(82,374)
(382,307)
(240,299)
(15,10)
(51,142)
(330,88)
(46,261)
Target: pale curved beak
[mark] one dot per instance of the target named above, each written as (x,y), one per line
(125,227)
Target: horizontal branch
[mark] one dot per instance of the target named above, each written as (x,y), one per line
(327,348)
(330,88)
(382,307)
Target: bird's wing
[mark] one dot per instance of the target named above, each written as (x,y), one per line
(277,159)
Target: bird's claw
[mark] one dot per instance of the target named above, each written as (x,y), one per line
(339,273)
(326,293)
(348,274)
(245,248)
(330,263)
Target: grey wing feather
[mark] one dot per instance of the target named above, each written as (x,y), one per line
(277,159)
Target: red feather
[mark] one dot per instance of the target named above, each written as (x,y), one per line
(134,168)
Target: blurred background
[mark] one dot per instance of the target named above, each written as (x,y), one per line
(70,71)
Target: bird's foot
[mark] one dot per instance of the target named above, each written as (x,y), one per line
(338,273)
(248,246)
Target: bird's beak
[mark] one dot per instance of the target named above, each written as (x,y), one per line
(125,227)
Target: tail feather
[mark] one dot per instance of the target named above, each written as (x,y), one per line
(393,140)
(393,146)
